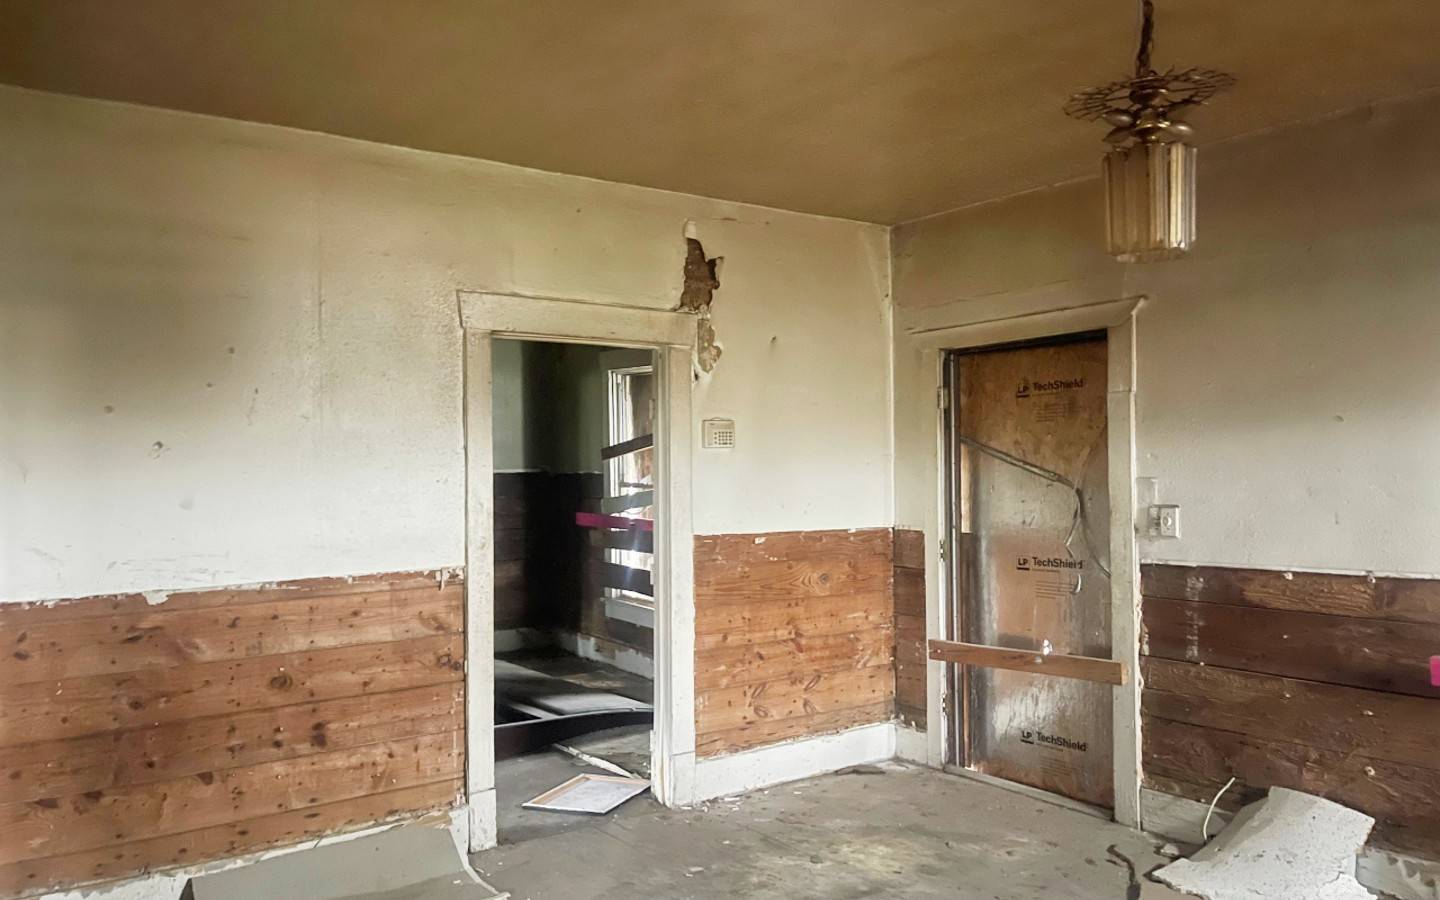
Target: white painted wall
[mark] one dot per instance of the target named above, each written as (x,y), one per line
(1288,392)
(231,352)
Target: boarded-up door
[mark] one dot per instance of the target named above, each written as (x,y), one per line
(1032,561)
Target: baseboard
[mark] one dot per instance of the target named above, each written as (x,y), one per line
(600,650)
(723,776)
(911,745)
(511,639)
(1395,874)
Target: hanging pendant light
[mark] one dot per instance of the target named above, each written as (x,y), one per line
(1150,173)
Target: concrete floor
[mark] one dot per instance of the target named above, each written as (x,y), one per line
(907,833)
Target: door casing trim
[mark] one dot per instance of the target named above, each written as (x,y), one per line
(484,317)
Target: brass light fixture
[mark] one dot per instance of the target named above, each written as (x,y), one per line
(1150,173)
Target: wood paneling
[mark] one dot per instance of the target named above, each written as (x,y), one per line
(1370,653)
(794,635)
(1310,681)
(136,736)
(908,574)
(1363,596)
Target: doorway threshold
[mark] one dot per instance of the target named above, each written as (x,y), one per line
(1033,793)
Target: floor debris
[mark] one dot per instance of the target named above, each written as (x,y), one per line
(590,794)
(1291,845)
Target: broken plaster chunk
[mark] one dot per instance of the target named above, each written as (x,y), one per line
(1290,845)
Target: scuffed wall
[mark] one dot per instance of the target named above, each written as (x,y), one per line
(230,352)
(1286,394)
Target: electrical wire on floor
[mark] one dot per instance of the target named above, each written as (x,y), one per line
(1205,825)
(1078,522)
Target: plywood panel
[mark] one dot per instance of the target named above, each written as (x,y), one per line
(1362,652)
(137,735)
(794,635)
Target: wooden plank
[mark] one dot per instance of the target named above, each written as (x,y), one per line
(909,587)
(161,636)
(629,539)
(597,520)
(75,706)
(626,502)
(18,617)
(643,442)
(769,731)
(100,762)
(40,874)
(1059,665)
(623,578)
(822,576)
(801,696)
(737,664)
(909,549)
(1367,653)
(1404,799)
(75,823)
(729,549)
(1397,727)
(1398,599)
(783,620)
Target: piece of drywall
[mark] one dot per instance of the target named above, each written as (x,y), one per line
(1285,392)
(231,353)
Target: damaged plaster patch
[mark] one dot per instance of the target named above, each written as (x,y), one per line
(1291,845)
(702,279)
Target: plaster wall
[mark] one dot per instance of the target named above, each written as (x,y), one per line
(231,353)
(1288,370)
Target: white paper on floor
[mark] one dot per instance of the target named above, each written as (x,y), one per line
(1291,845)
(587,793)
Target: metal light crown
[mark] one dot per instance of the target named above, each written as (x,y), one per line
(1150,175)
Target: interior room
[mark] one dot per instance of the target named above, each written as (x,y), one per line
(574,432)
(485,448)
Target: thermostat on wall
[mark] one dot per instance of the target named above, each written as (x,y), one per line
(717,434)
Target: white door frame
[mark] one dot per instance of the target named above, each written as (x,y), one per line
(1117,318)
(672,336)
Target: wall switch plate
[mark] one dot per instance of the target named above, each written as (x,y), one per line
(1165,520)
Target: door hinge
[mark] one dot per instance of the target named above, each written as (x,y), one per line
(942,397)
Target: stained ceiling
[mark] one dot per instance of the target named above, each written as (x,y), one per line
(877,111)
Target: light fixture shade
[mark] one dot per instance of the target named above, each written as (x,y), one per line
(1150,201)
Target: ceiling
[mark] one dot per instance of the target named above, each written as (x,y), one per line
(864,109)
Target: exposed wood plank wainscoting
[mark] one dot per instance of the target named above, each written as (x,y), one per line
(136,737)
(911,659)
(794,635)
(1309,681)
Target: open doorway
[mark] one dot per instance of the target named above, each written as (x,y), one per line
(575,480)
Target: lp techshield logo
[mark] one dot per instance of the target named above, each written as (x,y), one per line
(1052,740)
(1031,563)
(1047,387)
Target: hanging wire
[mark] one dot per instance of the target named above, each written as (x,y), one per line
(1079,521)
(1147,39)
